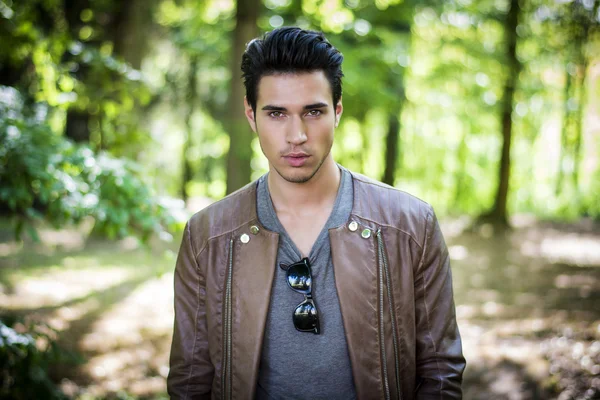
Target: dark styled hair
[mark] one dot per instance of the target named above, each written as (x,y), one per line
(291,50)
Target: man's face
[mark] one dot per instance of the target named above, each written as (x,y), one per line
(295,120)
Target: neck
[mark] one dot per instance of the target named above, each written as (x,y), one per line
(321,190)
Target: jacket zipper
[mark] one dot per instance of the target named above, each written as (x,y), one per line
(386,385)
(226,382)
(384,268)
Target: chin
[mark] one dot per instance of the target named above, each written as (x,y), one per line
(296,175)
(297,179)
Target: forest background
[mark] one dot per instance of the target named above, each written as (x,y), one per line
(120,119)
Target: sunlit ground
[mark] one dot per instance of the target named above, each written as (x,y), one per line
(528,305)
(111,302)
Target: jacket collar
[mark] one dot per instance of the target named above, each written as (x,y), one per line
(246,198)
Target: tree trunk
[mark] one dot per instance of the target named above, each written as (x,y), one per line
(77,121)
(393,152)
(131,31)
(391,149)
(128,29)
(363,153)
(187,143)
(583,56)
(77,126)
(240,150)
(461,185)
(498,213)
(564,138)
(579,124)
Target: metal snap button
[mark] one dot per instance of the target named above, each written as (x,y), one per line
(254,229)
(366,233)
(353,226)
(245,238)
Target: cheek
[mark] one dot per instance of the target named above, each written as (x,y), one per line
(268,139)
(325,131)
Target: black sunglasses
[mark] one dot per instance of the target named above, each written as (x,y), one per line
(299,279)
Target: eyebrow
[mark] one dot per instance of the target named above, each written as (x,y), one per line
(307,107)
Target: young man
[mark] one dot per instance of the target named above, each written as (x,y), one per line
(313,282)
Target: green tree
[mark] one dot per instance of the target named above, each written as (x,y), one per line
(577,20)
(43,173)
(240,149)
(498,213)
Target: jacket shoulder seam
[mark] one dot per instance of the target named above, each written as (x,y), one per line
(367,181)
(362,179)
(240,192)
(411,236)
(227,232)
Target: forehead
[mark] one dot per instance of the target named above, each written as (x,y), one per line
(294,88)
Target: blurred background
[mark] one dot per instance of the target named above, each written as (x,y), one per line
(120,119)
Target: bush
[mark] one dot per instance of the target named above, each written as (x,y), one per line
(24,365)
(46,176)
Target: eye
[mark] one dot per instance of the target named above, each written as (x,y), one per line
(314,113)
(275,114)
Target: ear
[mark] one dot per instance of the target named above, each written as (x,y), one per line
(249,114)
(339,109)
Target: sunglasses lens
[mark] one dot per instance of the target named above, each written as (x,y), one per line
(299,279)
(305,317)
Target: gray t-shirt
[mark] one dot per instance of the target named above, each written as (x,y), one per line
(302,365)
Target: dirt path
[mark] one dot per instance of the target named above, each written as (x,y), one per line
(528,306)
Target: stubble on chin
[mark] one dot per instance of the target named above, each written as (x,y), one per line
(296,179)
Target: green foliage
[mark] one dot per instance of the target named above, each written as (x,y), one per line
(26,358)
(194,88)
(46,176)
(66,59)
(440,66)
(112,92)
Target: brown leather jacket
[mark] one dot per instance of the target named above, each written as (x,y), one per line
(394,286)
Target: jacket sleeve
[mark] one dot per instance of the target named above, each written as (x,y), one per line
(191,372)
(440,362)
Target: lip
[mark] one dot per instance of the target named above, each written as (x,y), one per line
(296,155)
(296,159)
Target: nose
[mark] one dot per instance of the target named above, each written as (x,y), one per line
(296,132)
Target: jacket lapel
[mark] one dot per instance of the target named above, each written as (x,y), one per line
(355,265)
(252,278)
